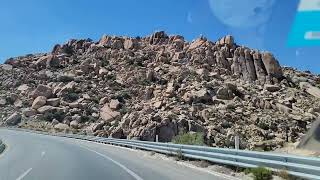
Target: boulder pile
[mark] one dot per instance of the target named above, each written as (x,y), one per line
(162,85)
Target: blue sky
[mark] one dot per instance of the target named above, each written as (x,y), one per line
(36,25)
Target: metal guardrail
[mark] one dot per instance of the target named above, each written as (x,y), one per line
(305,167)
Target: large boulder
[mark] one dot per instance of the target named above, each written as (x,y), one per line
(117,133)
(46,109)
(97,126)
(3,101)
(42,90)
(195,127)
(52,61)
(107,114)
(65,89)
(29,112)
(272,66)
(117,44)
(250,66)
(283,108)
(18,103)
(74,124)
(105,40)
(148,133)
(39,102)
(158,37)
(114,104)
(225,93)
(13,120)
(197,43)
(226,40)
(272,88)
(167,130)
(23,88)
(229,40)
(202,96)
(312,90)
(259,67)
(53,102)
(131,43)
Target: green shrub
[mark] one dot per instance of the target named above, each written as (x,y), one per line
(189,138)
(260,173)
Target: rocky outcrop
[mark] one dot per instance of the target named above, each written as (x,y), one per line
(271,65)
(160,85)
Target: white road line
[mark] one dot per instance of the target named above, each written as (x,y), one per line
(137,177)
(24,174)
(221,175)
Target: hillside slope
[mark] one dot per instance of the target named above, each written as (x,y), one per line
(160,85)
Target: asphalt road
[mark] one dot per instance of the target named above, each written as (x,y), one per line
(40,157)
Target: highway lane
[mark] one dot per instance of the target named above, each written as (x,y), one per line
(36,157)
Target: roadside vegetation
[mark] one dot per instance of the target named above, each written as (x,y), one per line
(260,173)
(189,139)
(285,175)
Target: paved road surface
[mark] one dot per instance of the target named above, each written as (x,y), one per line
(39,157)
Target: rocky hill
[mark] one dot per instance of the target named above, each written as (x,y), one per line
(160,85)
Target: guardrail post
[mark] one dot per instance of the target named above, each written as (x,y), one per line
(236,142)
(157,138)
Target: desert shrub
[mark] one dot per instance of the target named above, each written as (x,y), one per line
(71,97)
(111,77)
(179,155)
(189,138)
(68,50)
(285,175)
(260,173)
(65,78)
(121,96)
(58,115)
(144,82)
(84,119)
(49,116)
(10,99)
